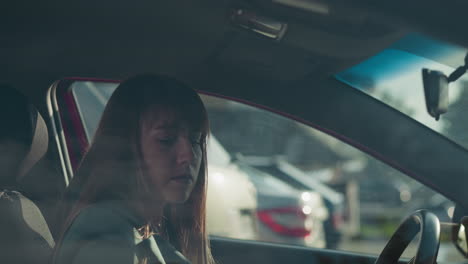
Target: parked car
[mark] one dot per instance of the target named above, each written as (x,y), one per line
(295,178)
(231,199)
(285,214)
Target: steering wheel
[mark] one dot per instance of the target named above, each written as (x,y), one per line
(420,221)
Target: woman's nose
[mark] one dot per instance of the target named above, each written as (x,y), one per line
(185,151)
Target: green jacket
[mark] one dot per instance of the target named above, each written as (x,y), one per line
(106,233)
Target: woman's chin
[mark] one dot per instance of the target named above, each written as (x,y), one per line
(177,193)
(177,197)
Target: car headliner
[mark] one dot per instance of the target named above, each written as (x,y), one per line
(43,41)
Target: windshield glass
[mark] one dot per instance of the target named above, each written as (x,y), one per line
(394,77)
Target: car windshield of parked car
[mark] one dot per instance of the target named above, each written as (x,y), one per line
(277,180)
(394,76)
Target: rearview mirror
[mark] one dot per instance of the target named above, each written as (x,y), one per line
(459,236)
(436,92)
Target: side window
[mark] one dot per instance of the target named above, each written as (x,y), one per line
(276,180)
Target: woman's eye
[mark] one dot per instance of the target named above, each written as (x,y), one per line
(167,140)
(196,140)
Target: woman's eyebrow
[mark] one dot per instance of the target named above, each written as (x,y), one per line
(171,125)
(165,126)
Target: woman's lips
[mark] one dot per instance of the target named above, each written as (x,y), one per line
(183,179)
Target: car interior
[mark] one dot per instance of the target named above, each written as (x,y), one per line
(281,56)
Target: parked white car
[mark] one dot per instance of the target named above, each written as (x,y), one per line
(232,198)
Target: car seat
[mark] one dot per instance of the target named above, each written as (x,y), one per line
(24,234)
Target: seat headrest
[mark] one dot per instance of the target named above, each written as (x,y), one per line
(23,136)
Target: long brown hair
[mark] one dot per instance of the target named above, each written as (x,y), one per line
(112,168)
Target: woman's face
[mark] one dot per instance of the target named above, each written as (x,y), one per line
(172,155)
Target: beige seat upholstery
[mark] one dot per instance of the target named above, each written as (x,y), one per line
(24,234)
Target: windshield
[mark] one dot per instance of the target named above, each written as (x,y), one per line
(394,77)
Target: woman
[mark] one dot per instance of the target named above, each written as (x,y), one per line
(141,188)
